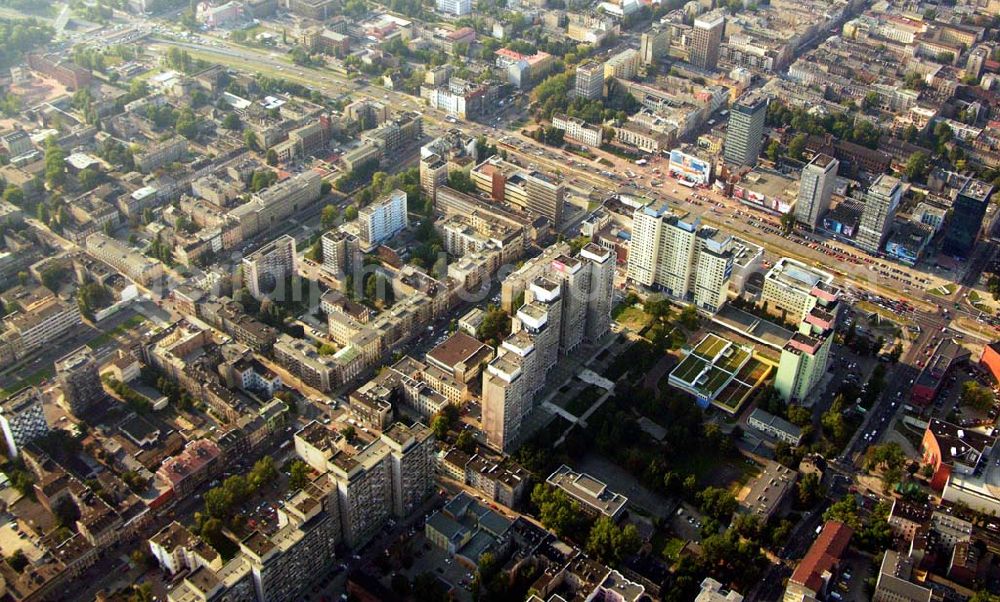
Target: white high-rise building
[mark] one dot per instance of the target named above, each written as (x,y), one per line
(454,7)
(266,268)
(674,253)
(745,132)
(815,189)
(22,419)
(566,300)
(383,219)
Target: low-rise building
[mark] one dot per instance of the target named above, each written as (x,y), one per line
(594,496)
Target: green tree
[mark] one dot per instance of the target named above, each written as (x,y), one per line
(916,166)
(13,195)
(250,140)
(329,215)
(186,124)
(556,510)
(55,164)
(271,157)
(298,475)
(351,213)
(610,543)
(773,151)
(466,442)
(231,122)
(977,396)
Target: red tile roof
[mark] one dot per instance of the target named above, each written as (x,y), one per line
(824,553)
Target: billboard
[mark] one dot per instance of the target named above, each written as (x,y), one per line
(758,199)
(690,168)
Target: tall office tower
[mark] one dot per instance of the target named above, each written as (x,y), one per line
(383,219)
(433,174)
(745,133)
(590,80)
(881,200)
(545,196)
(411,462)
(674,253)
(266,268)
(967,213)
(806,356)
(815,188)
(654,45)
(79,378)
(600,290)
(706,37)
(341,252)
(22,419)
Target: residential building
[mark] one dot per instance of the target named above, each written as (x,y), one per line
(411,463)
(382,219)
(713,591)
(589,80)
(818,569)
(578,131)
(457,8)
(880,203)
(792,289)
(672,252)
(466,530)
(653,45)
(765,494)
(200,461)
(461,356)
(341,253)
(557,290)
(22,420)
(594,497)
(624,65)
(706,37)
(36,323)
(806,356)
(131,263)
(745,132)
(78,377)
(433,174)
(775,426)
(160,154)
(266,269)
(951,450)
(815,188)
(893,583)
(967,213)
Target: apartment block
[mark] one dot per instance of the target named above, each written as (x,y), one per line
(433,174)
(579,131)
(160,154)
(382,219)
(79,378)
(565,299)
(131,263)
(590,80)
(265,270)
(880,203)
(815,188)
(36,323)
(456,8)
(391,476)
(22,420)
(674,253)
(341,253)
(791,288)
(806,356)
(624,65)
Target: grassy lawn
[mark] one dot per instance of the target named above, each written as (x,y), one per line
(672,548)
(944,291)
(712,470)
(631,317)
(978,302)
(106,337)
(31,380)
